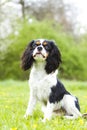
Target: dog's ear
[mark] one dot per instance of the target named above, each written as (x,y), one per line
(54,58)
(27,58)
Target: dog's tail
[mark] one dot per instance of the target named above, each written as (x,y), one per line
(84,115)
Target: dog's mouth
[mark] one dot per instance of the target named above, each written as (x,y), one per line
(39,54)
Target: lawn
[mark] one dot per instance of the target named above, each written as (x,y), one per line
(13,103)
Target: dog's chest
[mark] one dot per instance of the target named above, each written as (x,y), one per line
(41,83)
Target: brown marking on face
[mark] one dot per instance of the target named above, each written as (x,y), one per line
(46,55)
(44,43)
(37,42)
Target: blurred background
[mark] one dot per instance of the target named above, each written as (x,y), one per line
(64,21)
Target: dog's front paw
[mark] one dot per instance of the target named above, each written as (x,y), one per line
(27,115)
(44,120)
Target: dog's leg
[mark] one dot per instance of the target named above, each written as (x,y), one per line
(43,109)
(31,105)
(48,111)
(75,113)
(70,107)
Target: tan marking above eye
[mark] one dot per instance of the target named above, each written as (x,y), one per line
(44,43)
(38,42)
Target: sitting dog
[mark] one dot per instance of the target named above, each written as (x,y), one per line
(43,57)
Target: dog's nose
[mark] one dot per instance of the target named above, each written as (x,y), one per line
(39,48)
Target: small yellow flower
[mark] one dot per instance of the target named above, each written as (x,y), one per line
(13,129)
(6,106)
(35,126)
(81,121)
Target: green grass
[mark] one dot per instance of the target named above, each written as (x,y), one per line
(13,103)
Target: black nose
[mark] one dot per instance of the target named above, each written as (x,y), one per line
(39,48)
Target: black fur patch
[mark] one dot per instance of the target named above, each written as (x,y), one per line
(54,58)
(27,58)
(77,104)
(57,92)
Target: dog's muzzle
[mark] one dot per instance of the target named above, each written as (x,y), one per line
(40,53)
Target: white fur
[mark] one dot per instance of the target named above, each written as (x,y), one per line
(39,56)
(41,40)
(40,86)
(43,52)
(68,103)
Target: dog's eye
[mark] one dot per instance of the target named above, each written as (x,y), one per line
(47,47)
(34,46)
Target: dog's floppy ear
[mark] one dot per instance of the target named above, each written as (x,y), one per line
(54,58)
(27,58)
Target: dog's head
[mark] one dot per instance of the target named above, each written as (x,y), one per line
(42,50)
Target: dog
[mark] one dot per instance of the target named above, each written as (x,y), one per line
(44,57)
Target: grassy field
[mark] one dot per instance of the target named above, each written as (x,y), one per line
(13,102)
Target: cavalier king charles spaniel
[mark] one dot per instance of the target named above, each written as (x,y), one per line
(43,57)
